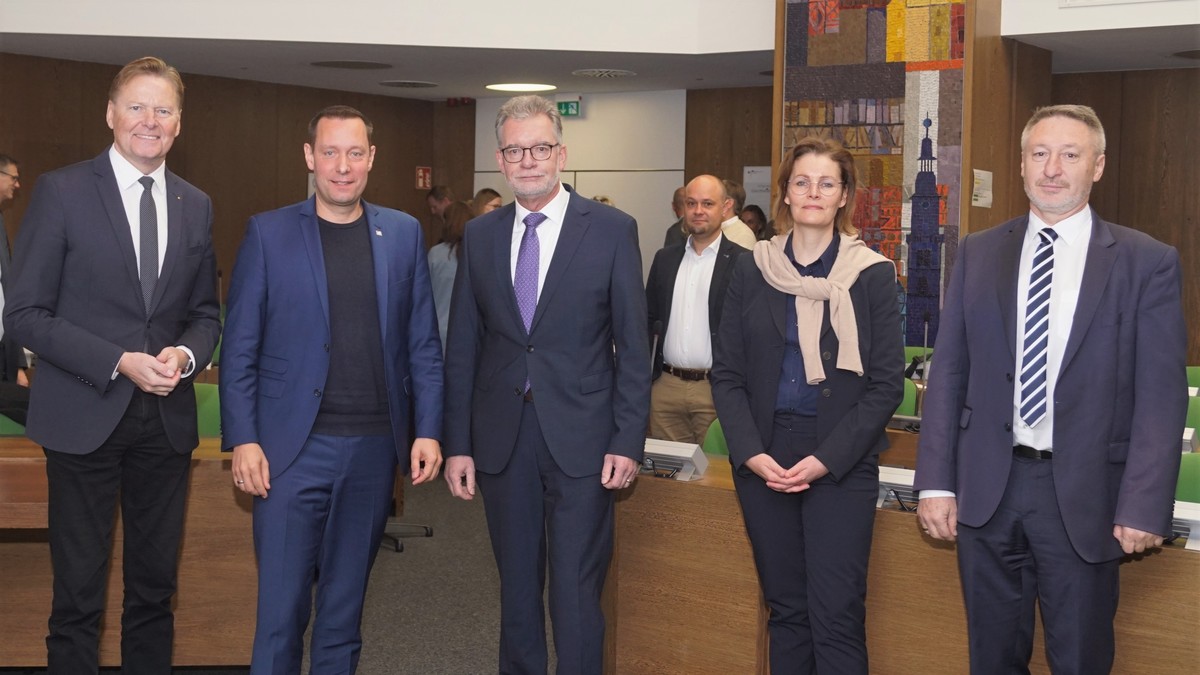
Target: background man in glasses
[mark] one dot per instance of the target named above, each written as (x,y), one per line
(116,292)
(14,381)
(547,389)
(1050,441)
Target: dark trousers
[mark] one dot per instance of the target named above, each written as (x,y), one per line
(535,513)
(321,524)
(811,549)
(151,478)
(1021,555)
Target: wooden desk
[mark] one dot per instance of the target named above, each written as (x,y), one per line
(683,597)
(215,605)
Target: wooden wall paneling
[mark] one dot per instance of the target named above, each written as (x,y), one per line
(226,147)
(454,148)
(1003,81)
(1103,92)
(413,145)
(1160,180)
(727,129)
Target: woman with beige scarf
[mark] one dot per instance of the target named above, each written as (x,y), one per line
(807,369)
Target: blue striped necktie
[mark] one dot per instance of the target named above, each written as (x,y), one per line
(1035,346)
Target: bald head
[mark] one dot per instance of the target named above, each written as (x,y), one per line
(705,200)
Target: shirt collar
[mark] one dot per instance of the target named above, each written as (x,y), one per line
(555,209)
(827,257)
(127,174)
(710,249)
(1071,230)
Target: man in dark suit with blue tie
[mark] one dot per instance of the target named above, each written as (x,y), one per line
(331,362)
(1050,441)
(547,389)
(116,292)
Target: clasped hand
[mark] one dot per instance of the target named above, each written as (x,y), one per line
(154,374)
(796,479)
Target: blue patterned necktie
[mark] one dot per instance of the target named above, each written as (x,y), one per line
(1035,346)
(525,281)
(148,226)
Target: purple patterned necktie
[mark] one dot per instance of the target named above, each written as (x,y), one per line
(525,281)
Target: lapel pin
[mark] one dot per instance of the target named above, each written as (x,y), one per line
(378,232)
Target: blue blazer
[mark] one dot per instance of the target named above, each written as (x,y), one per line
(1120,399)
(275,357)
(748,362)
(586,355)
(77,302)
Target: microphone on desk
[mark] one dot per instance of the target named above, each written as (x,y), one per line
(656,332)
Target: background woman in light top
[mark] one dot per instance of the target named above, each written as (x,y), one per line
(443,261)
(807,370)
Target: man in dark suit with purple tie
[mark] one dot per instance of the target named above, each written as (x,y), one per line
(547,389)
(115,290)
(1050,441)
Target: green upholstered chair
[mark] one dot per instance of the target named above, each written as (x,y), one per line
(908,405)
(10,428)
(1187,489)
(208,410)
(1193,376)
(714,441)
(1193,414)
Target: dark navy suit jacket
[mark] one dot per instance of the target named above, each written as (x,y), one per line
(1120,399)
(586,356)
(275,357)
(77,303)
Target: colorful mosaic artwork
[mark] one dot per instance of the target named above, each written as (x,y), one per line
(884,77)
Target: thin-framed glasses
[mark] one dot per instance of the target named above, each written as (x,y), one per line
(540,152)
(826,186)
(13,176)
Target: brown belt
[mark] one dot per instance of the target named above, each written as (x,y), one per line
(689,374)
(1029,453)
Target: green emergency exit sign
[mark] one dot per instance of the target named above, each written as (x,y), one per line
(568,108)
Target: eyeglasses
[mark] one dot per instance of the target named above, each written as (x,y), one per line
(826,186)
(15,177)
(539,153)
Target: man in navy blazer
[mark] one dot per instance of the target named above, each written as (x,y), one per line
(696,273)
(547,388)
(1046,486)
(331,362)
(115,290)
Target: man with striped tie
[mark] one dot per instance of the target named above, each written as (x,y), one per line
(1050,440)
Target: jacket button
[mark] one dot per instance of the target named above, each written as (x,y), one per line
(1008,426)
(825,355)
(529,348)
(326,347)
(517,391)
(826,393)
(1008,376)
(316,392)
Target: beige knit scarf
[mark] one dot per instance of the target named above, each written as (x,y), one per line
(811,292)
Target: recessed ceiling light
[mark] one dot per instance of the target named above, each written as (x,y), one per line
(768,73)
(352,65)
(408,84)
(603,73)
(1189,54)
(516,86)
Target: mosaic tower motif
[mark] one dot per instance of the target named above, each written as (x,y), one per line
(924,251)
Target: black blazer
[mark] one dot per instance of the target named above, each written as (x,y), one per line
(77,303)
(852,410)
(660,289)
(14,356)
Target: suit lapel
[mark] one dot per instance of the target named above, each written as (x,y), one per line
(110,197)
(175,238)
(502,234)
(311,234)
(379,258)
(574,226)
(1101,254)
(1008,267)
(667,290)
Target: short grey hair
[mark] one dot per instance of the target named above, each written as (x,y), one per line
(1079,113)
(524,107)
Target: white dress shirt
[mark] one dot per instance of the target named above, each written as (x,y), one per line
(688,342)
(547,234)
(1070,254)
